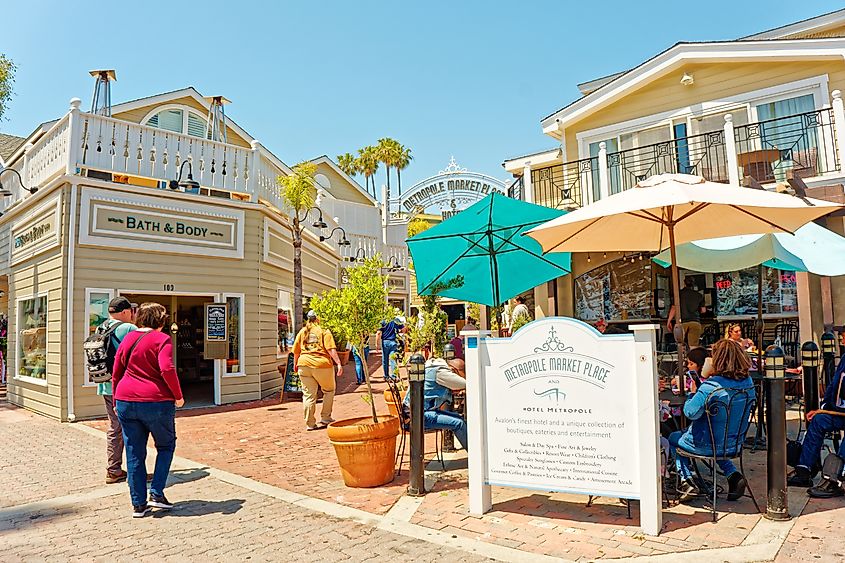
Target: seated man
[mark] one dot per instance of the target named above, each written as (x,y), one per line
(441,378)
(821,424)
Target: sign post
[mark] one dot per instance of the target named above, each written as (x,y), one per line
(560,407)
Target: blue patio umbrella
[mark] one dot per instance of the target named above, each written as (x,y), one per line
(482,246)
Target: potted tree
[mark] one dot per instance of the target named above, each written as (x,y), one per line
(329,308)
(365,446)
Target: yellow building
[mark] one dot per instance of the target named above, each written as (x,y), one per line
(94,214)
(767,108)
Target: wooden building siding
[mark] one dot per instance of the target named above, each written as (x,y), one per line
(340,187)
(713,81)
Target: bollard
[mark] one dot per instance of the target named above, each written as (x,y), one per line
(810,373)
(829,355)
(448,436)
(416,376)
(777,505)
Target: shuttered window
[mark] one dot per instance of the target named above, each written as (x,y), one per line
(179,121)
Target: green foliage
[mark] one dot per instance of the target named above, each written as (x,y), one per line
(416,226)
(473,310)
(435,320)
(7,81)
(348,163)
(329,308)
(367,163)
(297,189)
(520,322)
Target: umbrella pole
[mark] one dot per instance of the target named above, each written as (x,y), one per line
(676,295)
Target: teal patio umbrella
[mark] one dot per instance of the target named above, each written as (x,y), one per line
(482,245)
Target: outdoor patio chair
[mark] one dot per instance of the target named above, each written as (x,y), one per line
(710,334)
(405,428)
(734,403)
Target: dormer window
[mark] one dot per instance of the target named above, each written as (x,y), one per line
(180,121)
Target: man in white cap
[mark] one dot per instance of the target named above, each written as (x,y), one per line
(387,338)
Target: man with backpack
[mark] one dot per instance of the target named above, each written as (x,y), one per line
(115,329)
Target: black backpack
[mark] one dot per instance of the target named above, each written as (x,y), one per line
(100,351)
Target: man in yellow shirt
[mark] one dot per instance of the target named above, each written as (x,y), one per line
(314,356)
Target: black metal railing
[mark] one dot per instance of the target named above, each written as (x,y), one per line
(704,155)
(563,186)
(801,145)
(515,190)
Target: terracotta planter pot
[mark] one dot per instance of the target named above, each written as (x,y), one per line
(343,356)
(365,451)
(391,405)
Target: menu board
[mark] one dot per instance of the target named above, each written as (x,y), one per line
(292,384)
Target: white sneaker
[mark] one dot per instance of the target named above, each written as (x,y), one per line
(311,427)
(326,422)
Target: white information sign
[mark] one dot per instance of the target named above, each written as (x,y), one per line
(560,407)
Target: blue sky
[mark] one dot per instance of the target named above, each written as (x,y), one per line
(470,79)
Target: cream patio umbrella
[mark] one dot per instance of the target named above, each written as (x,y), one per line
(670,209)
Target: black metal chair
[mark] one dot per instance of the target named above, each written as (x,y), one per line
(710,334)
(405,428)
(735,403)
(788,334)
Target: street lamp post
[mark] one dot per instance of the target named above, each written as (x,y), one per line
(810,371)
(416,375)
(777,507)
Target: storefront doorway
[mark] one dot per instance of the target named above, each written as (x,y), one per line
(197,375)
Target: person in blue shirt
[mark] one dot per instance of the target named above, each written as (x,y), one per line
(121,313)
(730,374)
(386,339)
(441,378)
(821,424)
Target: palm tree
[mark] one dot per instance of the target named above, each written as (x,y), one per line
(298,193)
(388,153)
(348,163)
(368,162)
(402,163)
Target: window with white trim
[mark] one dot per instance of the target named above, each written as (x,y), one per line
(32,337)
(284,320)
(234,360)
(180,121)
(96,313)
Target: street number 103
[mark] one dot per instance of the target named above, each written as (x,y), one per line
(169,287)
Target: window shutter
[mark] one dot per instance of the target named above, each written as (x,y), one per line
(197,126)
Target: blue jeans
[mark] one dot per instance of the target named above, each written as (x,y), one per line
(682,464)
(387,348)
(359,364)
(814,438)
(138,421)
(447,420)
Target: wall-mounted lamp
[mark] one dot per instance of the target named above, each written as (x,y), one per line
(342,242)
(189,185)
(319,223)
(687,79)
(4,192)
(360,254)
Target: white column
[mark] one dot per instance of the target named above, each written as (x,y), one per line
(527,186)
(27,179)
(805,307)
(645,362)
(74,141)
(480,497)
(604,182)
(730,152)
(385,219)
(253,185)
(839,126)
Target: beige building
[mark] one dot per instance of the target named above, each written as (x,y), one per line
(103,221)
(767,108)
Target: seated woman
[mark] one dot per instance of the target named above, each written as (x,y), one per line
(670,417)
(730,374)
(734,333)
(441,378)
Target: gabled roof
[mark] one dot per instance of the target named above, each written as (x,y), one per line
(685,53)
(808,26)
(8,145)
(189,92)
(324,159)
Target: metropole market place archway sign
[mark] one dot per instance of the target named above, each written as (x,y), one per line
(452,190)
(561,407)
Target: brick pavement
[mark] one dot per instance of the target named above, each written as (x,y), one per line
(57,507)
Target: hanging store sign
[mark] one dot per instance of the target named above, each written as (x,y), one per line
(156,224)
(451,191)
(37,232)
(553,406)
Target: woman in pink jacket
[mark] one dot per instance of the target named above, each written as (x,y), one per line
(146,394)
